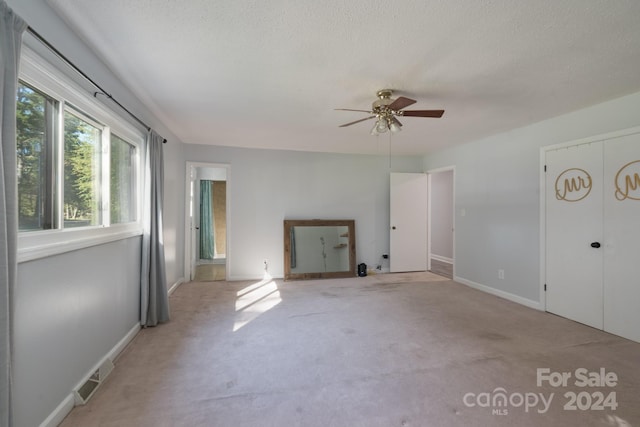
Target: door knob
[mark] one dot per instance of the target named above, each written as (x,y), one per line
(393,228)
(595,245)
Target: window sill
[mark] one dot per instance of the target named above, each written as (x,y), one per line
(41,244)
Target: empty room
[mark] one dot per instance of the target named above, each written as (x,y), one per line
(280,213)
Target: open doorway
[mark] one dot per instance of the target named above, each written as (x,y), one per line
(441,228)
(206,248)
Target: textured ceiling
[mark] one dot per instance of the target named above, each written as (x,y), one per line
(269,74)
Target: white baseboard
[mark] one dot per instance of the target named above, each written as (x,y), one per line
(173,287)
(442,258)
(502,294)
(55,418)
(117,349)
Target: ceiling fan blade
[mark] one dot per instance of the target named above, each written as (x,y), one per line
(423,113)
(348,109)
(396,121)
(401,103)
(357,121)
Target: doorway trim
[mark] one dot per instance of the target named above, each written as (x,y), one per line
(189,253)
(430,172)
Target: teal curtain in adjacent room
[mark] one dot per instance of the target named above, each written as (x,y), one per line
(206,221)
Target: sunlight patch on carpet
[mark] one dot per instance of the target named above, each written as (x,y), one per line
(255,300)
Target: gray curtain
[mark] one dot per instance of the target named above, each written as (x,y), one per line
(206,220)
(154,301)
(11,29)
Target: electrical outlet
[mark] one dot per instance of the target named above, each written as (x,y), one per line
(501,274)
(266,264)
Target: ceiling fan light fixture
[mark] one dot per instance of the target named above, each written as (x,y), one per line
(394,128)
(381,125)
(374,130)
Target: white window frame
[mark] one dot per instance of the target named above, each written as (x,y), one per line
(36,244)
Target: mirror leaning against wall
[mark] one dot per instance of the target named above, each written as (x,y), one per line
(319,249)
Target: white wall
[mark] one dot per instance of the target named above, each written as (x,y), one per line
(212,174)
(267,186)
(442,214)
(173,213)
(497,186)
(71,309)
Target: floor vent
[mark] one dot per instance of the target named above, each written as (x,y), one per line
(85,390)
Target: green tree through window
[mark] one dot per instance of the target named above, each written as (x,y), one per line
(82,148)
(33,158)
(122,181)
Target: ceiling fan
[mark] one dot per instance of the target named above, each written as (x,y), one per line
(386,110)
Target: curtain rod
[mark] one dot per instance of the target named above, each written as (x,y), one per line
(100,91)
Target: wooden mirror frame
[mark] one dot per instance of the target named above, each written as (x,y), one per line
(349,223)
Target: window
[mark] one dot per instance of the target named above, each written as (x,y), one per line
(77,165)
(82,178)
(35,114)
(123,181)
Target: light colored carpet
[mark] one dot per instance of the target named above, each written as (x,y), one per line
(392,350)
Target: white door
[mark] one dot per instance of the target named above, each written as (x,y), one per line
(574,233)
(622,236)
(408,218)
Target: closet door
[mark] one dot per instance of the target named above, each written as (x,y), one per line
(574,230)
(622,236)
